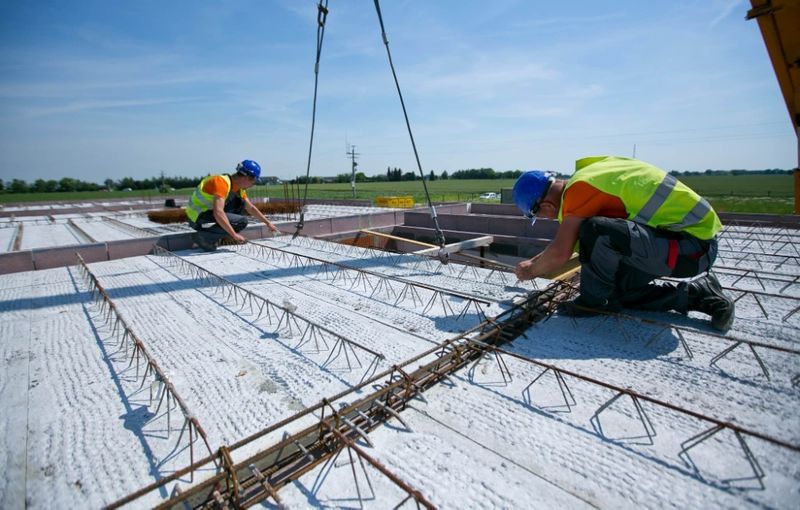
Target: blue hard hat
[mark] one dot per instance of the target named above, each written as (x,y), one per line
(529,189)
(249,167)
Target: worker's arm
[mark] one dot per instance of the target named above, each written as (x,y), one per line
(249,207)
(222,220)
(555,255)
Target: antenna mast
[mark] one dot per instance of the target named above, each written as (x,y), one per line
(353,155)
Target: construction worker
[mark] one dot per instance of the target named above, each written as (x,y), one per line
(633,223)
(221,200)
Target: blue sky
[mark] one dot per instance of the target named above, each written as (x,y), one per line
(98,89)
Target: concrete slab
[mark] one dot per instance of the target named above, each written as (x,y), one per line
(15,348)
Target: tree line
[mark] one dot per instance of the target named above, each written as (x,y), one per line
(397,174)
(164,183)
(69,184)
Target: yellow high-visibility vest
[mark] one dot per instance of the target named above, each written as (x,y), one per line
(201,201)
(651,196)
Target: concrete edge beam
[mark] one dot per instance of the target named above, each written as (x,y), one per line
(16,262)
(490,225)
(60,256)
(495,209)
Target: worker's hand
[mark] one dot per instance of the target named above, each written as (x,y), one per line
(274,228)
(524,270)
(239,238)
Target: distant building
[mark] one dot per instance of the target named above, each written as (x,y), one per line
(271,179)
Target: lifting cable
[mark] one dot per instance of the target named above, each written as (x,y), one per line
(322,15)
(440,240)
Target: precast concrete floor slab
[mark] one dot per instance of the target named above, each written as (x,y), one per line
(611,411)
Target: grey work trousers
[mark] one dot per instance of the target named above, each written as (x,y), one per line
(620,259)
(233,209)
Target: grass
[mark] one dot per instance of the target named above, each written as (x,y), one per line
(451,190)
(764,205)
(772,194)
(741,185)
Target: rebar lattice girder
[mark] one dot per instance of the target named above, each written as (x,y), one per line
(361,280)
(140,350)
(287,461)
(292,457)
(288,319)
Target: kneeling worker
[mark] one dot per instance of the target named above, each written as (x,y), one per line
(221,200)
(635,223)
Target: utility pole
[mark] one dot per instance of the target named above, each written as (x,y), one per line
(634,151)
(353,154)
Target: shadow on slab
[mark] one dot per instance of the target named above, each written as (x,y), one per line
(596,338)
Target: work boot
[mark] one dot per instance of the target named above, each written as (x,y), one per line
(706,296)
(202,242)
(581,307)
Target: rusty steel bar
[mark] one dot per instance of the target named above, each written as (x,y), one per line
(129,228)
(139,347)
(399,388)
(771,241)
(753,292)
(641,396)
(402,386)
(418,497)
(748,231)
(17,244)
(729,338)
(82,232)
(376,275)
(782,258)
(789,279)
(783,240)
(566,393)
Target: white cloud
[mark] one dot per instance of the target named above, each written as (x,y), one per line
(81,106)
(725,8)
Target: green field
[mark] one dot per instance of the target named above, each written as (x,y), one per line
(441,191)
(741,185)
(772,194)
(448,190)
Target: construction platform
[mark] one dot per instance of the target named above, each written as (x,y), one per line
(343,370)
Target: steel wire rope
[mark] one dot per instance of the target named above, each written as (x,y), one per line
(322,15)
(440,240)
